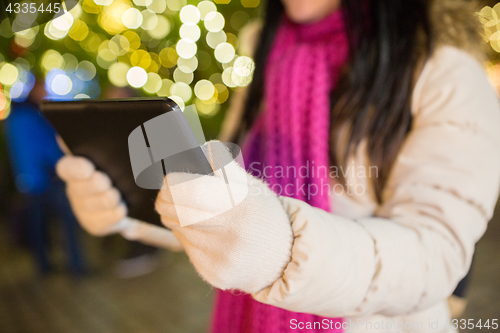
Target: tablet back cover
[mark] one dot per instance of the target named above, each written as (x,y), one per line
(99,130)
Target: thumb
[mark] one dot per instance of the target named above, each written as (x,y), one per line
(225,159)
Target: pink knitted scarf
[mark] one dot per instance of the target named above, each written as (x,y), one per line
(288,146)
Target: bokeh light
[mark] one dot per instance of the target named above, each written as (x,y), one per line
(224,52)
(8,74)
(214,21)
(162,28)
(190,31)
(204,90)
(137,77)
(186,48)
(168,48)
(205,7)
(132,18)
(189,14)
(117,74)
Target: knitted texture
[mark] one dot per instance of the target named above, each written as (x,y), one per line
(245,247)
(292,132)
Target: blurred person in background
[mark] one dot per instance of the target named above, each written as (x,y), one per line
(389,87)
(34,152)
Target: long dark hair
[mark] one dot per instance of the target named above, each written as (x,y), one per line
(388,39)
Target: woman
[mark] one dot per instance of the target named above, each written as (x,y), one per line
(375,116)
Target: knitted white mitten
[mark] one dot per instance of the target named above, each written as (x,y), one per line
(234,241)
(99,209)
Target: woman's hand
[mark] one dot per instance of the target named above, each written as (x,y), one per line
(96,203)
(99,209)
(245,247)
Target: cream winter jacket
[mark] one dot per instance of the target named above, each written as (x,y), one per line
(386,266)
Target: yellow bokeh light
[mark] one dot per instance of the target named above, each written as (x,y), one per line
(204,90)
(86,70)
(205,7)
(168,57)
(105,58)
(224,52)
(176,5)
(233,40)
(91,7)
(26,37)
(79,31)
(132,18)
(70,62)
(157,6)
(103,2)
(162,28)
(214,21)
(189,14)
(63,22)
(142,2)
(190,31)
(91,42)
(180,76)
(250,3)
(107,55)
(140,58)
(133,39)
(227,77)
(222,2)
(164,91)
(207,108)
(58,28)
(244,66)
(153,84)
(23,41)
(110,19)
(51,59)
(494,41)
(215,38)
(181,90)
(8,74)
(186,48)
(117,74)
(149,19)
(187,65)
(76,11)
(222,92)
(119,45)
(154,66)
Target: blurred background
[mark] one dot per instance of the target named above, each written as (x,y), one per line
(56,278)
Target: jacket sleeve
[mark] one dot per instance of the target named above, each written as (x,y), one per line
(436,205)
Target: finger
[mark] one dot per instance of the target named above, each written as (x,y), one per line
(151,234)
(110,198)
(203,192)
(74,168)
(104,222)
(166,209)
(217,154)
(164,194)
(98,182)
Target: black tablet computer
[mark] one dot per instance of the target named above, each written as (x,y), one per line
(100,129)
